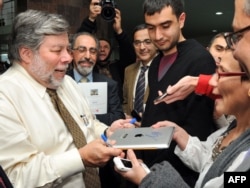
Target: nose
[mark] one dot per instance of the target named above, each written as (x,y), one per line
(213,80)
(218,61)
(67,56)
(158,34)
(142,45)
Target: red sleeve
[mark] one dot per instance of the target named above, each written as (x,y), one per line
(203,87)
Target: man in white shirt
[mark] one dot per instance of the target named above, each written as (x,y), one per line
(37,149)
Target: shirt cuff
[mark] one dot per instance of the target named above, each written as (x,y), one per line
(203,87)
(68,163)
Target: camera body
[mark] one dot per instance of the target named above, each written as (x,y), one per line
(108,9)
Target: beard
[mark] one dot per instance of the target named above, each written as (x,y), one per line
(85,71)
(40,71)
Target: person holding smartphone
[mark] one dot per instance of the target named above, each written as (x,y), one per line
(226,150)
(177,58)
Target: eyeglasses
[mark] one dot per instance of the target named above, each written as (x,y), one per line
(146,42)
(233,38)
(227,74)
(83,49)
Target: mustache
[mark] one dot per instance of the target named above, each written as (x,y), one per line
(86,61)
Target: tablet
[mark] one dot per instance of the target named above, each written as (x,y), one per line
(143,138)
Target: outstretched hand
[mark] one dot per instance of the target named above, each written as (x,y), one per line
(180,90)
(180,135)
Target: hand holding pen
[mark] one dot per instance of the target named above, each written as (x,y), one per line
(105,139)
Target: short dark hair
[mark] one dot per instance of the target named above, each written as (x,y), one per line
(215,37)
(151,7)
(138,28)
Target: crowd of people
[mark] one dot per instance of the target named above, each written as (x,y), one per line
(51,138)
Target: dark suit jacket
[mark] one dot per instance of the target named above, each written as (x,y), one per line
(4,180)
(126,53)
(114,111)
(128,87)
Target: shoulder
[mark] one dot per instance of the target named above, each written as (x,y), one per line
(97,77)
(132,66)
(192,47)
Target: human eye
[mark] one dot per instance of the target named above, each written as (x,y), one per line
(136,42)
(150,27)
(236,37)
(147,41)
(81,49)
(93,51)
(219,48)
(56,49)
(165,25)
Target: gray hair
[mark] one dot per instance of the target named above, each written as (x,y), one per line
(74,37)
(247,7)
(30,28)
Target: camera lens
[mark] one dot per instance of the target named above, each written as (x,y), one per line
(108,13)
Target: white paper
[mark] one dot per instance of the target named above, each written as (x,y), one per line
(96,94)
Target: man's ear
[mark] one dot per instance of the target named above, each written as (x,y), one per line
(182,19)
(26,55)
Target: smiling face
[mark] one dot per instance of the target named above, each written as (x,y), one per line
(232,90)
(145,50)
(48,65)
(241,20)
(165,29)
(86,56)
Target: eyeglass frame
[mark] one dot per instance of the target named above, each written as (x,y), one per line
(146,42)
(233,38)
(84,49)
(228,74)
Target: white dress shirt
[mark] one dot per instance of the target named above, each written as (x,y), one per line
(197,156)
(36,147)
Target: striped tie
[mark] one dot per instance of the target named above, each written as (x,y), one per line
(140,89)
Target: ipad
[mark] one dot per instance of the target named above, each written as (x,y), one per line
(143,138)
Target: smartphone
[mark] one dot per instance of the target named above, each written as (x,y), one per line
(136,115)
(122,164)
(126,165)
(159,98)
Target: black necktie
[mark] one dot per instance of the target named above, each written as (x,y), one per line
(90,175)
(140,89)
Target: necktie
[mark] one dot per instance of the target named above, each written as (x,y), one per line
(84,80)
(140,89)
(90,175)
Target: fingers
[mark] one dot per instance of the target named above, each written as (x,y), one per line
(131,156)
(164,124)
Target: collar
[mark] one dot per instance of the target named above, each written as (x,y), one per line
(78,76)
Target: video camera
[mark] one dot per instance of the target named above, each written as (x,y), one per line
(108,9)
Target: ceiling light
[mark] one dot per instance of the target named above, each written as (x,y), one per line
(214,30)
(219,13)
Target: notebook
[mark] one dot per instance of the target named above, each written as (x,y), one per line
(143,138)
